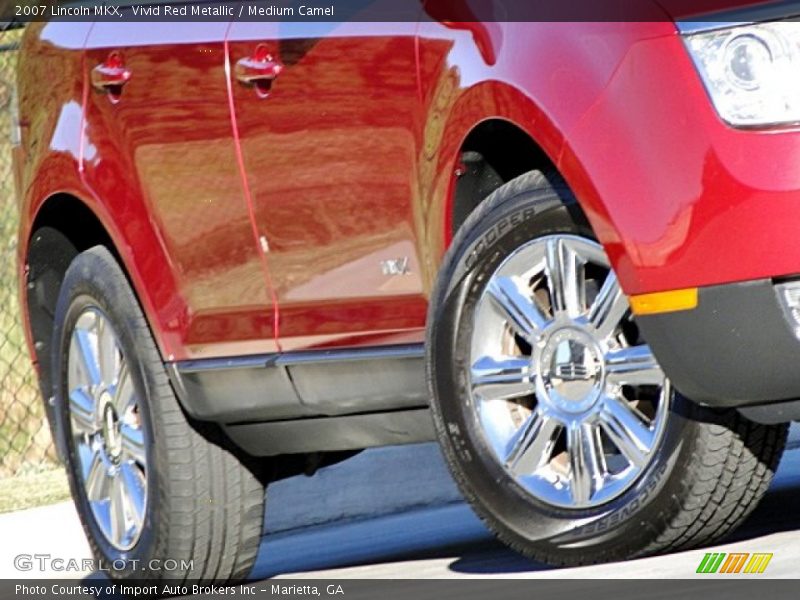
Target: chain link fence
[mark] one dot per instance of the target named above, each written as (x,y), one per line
(25,443)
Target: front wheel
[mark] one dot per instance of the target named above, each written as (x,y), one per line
(158,496)
(556,419)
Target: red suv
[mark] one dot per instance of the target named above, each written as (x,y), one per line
(249,249)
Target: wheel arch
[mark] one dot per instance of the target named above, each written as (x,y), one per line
(63,227)
(493,152)
(476,139)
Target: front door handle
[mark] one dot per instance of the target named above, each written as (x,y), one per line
(111,75)
(260,68)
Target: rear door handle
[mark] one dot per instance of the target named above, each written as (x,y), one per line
(259,68)
(110,74)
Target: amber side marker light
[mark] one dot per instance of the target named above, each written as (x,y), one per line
(663,302)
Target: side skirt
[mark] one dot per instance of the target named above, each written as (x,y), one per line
(311,401)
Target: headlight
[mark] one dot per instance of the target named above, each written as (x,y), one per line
(752,72)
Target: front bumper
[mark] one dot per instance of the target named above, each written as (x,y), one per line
(737,348)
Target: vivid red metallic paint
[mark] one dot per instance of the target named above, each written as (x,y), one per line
(330,156)
(349,161)
(163,155)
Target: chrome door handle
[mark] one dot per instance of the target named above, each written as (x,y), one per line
(110,74)
(257,68)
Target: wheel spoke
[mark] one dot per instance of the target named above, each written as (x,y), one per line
(133,487)
(117,511)
(504,377)
(107,353)
(516,306)
(609,308)
(102,513)
(88,356)
(124,394)
(531,447)
(86,456)
(627,431)
(565,278)
(97,480)
(82,408)
(633,366)
(133,444)
(586,460)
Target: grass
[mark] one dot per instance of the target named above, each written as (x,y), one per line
(33,489)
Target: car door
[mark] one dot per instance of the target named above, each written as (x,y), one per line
(160,152)
(328,120)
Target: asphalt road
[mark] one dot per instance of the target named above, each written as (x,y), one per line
(444,539)
(395,513)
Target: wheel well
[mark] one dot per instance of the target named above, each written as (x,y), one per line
(64,227)
(493,153)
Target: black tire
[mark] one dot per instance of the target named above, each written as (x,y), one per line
(204,506)
(708,473)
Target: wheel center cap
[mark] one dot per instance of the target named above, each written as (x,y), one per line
(110,427)
(572,369)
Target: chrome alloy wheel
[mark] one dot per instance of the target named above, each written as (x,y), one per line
(107,430)
(571,401)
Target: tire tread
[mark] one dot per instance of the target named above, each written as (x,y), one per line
(210,503)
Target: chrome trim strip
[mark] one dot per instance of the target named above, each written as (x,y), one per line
(691,27)
(352,354)
(300,357)
(255,361)
(771,11)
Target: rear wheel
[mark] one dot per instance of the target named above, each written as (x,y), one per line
(556,419)
(158,496)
